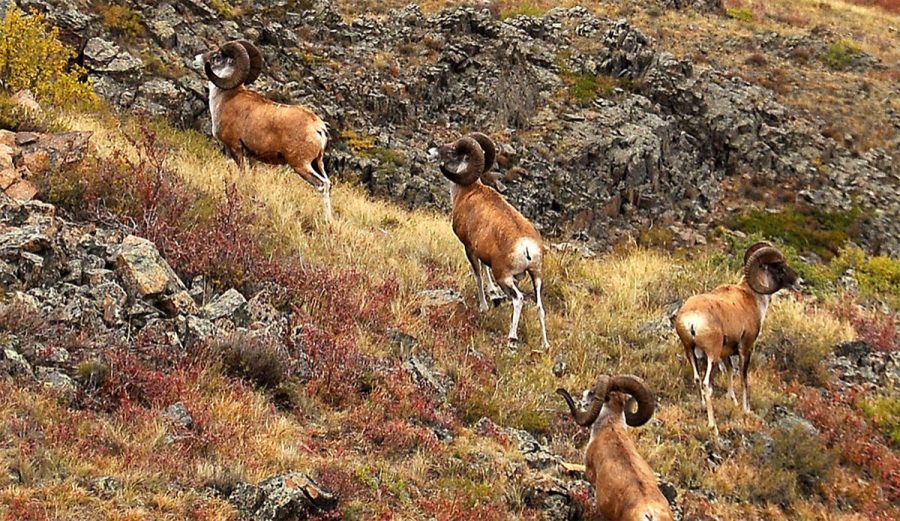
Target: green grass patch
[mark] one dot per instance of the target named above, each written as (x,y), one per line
(743,15)
(884,411)
(839,54)
(583,87)
(523,9)
(804,228)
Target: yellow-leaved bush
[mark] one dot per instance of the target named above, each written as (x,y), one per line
(32,57)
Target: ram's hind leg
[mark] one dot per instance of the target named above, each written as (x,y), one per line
(707,396)
(314,173)
(508,285)
(538,282)
(494,293)
(318,167)
(728,365)
(478,271)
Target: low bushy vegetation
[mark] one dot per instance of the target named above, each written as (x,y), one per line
(804,228)
(743,15)
(32,57)
(343,376)
(338,401)
(122,20)
(839,54)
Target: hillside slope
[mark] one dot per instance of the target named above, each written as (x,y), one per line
(617,118)
(247,360)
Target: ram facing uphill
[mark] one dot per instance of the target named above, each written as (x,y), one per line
(727,320)
(254,127)
(494,234)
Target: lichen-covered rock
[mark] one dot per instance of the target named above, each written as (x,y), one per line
(144,272)
(13,364)
(654,147)
(178,414)
(226,305)
(54,378)
(106,57)
(291,496)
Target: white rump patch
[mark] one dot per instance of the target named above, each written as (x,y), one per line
(526,253)
(694,322)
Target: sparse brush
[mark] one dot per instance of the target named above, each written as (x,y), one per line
(251,359)
(92,374)
(32,57)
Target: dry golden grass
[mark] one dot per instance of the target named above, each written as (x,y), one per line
(606,315)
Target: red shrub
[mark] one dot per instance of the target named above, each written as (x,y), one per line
(25,509)
(875,328)
(144,381)
(337,369)
(859,443)
(340,483)
(455,508)
(892,6)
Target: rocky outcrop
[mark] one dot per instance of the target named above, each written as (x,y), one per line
(23,155)
(652,141)
(856,363)
(289,496)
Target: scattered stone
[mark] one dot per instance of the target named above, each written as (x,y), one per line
(200,329)
(421,368)
(54,378)
(178,414)
(559,366)
(857,363)
(14,364)
(440,297)
(105,486)
(144,272)
(106,57)
(552,496)
(225,305)
(290,496)
(180,303)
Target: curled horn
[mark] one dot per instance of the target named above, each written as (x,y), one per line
(587,417)
(238,53)
(469,170)
(758,280)
(256,61)
(752,249)
(489,149)
(640,392)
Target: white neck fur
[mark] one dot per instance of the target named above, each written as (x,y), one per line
(215,101)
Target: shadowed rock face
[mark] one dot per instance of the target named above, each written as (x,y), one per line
(595,144)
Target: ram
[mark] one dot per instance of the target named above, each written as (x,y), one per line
(726,321)
(254,127)
(494,234)
(624,483)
